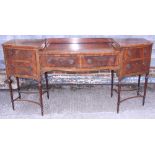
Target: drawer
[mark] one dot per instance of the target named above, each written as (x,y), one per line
(21,68)
(59,61)
(15,55)
(140,66)
(21,62)
(99,61)
(133,53)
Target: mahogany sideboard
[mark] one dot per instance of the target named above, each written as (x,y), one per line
(35,58)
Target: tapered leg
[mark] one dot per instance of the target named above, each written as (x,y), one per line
(18,87)
(138,84)
(145,87)
(11,92)
(47,88)
(40,97)
(112,82)
(119,91)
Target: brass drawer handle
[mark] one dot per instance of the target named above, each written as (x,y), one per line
(144,63)
(128,66)
(89,61)
(71,61)
(137,63)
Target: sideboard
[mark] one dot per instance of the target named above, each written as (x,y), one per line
(35,58)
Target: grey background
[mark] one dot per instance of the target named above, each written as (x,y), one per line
(4,38)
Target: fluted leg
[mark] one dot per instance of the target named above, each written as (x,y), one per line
(138,84)
(47,88)
(112,82)
(40,97)
(145,87)
(18,87)
(11,92)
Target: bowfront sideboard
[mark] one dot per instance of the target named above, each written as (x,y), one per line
(35,58)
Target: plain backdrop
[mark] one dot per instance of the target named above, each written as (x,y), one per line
(77,17)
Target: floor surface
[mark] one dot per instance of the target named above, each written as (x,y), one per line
(77,103)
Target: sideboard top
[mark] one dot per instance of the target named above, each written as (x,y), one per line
(53,42)
(30,43)
(78,48)
(132,42)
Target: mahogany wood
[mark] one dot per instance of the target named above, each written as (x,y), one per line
(32,58)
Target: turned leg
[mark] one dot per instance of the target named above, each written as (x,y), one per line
(18,87)
(112,82)
(47,88)
(119,91)
(40,97)
(138,84)
(145,87)
(11,92)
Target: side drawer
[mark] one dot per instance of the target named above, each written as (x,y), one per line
(99,61)
(15,55)
(139,66)
(59,61)
(21,62)
(132,53)
(22,69)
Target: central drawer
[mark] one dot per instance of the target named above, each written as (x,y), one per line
(59,61)
(99,61)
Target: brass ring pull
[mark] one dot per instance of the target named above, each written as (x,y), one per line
(128,66)
(89,61)
(71,61)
